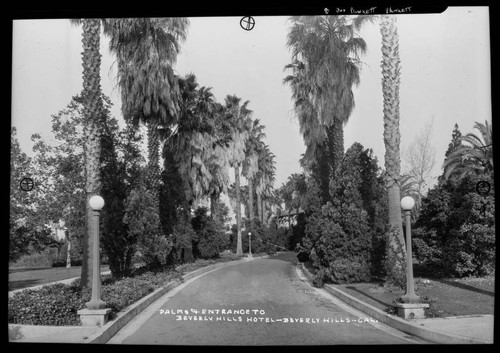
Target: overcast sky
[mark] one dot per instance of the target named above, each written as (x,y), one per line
(445,60)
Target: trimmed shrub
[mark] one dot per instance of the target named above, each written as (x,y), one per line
(342,251)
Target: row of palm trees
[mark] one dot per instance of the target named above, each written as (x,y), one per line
(326,62)
(206,137)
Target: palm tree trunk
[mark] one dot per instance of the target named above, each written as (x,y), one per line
(390,89)
(323,175)
(239,249)
(259,208)
(214,199)
(92,109)
(338,145)
(250,202)
(153,173)
(68,252)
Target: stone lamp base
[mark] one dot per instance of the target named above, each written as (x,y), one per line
(411,310)
(92,317)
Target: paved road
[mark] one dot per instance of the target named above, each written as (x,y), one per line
(265,302)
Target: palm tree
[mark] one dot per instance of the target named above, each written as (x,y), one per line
(219,162)
(240,125)
(250,167)
(92,111)
(131,40)
(328,48)
(146,49)
(264,179)
(201,139)
(315,159)
(390,89)
(475,158)
(294,192)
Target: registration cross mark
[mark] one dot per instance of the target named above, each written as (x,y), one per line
(247,23)
(27,184)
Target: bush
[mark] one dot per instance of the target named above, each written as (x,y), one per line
(142,218)
(341,252)
(455,232)
(470,251)
(34,260)
(211,238)
(54,305)
(58,304)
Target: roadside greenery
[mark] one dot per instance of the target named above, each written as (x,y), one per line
(58,304)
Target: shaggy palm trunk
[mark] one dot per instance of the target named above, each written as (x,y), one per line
(259,208)
(390,89)
(214,199)
(323,174)
(239,249)
(153,172)
(92,109)
(338,146)
(265,212)
(250,202)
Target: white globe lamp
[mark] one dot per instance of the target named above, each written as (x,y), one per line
(407,203)
(96,202)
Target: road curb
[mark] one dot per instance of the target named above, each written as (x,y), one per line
(396,322)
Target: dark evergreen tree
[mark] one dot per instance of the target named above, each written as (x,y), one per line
(118,244)
(454,144)
(338,234)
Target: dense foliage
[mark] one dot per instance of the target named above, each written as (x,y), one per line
(58,304)
(339,235)
(211,237)
(455,233)
(143,222)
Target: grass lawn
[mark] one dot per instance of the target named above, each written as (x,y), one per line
(23,278)
(447,296)
(19,278)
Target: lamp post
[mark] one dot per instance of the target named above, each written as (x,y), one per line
(96,202)
(250,244)
(407,204)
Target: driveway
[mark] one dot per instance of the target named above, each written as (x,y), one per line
(265,301)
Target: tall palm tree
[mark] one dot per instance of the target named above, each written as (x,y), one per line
(219,163)
(131,40)
(264,179)
(200,142)
(476,157)
(240,118)
(146,49)
(329,48)
(250,167)
(92,111)
(390,89)
(314,135)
